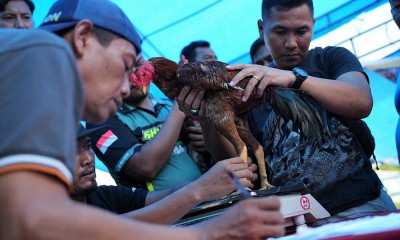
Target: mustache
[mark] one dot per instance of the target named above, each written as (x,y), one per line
(87,171)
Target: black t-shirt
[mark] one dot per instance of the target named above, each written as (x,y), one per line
(118,199)
(339,173)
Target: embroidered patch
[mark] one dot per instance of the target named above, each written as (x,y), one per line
(105,141)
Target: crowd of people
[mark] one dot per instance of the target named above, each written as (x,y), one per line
(76,67)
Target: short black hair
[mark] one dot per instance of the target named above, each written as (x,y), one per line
(283,5)
(30,4)
(190,50)
(255,46)
(104,36)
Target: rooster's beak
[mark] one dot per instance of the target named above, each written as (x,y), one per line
(143,89)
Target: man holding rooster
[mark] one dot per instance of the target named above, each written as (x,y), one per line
(338,172)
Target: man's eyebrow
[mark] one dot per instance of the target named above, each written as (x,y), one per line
(278,27)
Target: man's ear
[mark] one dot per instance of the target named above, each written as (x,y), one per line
(260,28)
(82,34)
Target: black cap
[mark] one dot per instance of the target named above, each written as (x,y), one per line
(83,132)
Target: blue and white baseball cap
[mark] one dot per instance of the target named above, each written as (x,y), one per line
(102,13)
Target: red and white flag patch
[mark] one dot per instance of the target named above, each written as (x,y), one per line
(105,141)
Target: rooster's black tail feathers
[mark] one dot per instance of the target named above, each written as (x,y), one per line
(305,112)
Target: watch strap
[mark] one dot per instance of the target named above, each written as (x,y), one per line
(299,79)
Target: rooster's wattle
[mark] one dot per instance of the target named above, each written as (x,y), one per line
(224,106)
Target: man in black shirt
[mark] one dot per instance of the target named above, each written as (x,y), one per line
(338,172)
(175,202)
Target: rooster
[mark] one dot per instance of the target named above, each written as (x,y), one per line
(224,106)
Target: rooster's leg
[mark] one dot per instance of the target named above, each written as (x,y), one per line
(229,131)
(247,137)
(224,121)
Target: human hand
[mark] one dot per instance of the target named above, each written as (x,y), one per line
(183,60)
(262,77)
(195,135)
(190,102)
(221,182)
(254,218)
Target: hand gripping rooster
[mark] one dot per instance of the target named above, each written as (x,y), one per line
(224,106)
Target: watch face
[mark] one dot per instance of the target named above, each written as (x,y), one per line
(301,72)
(301,75)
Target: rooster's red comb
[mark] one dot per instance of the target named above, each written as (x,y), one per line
(143,75)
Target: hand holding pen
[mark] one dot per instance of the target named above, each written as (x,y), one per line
(239,185)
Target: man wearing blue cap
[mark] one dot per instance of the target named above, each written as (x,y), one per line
(38,147)
(103,38)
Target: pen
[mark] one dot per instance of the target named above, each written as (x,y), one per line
(239,185)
